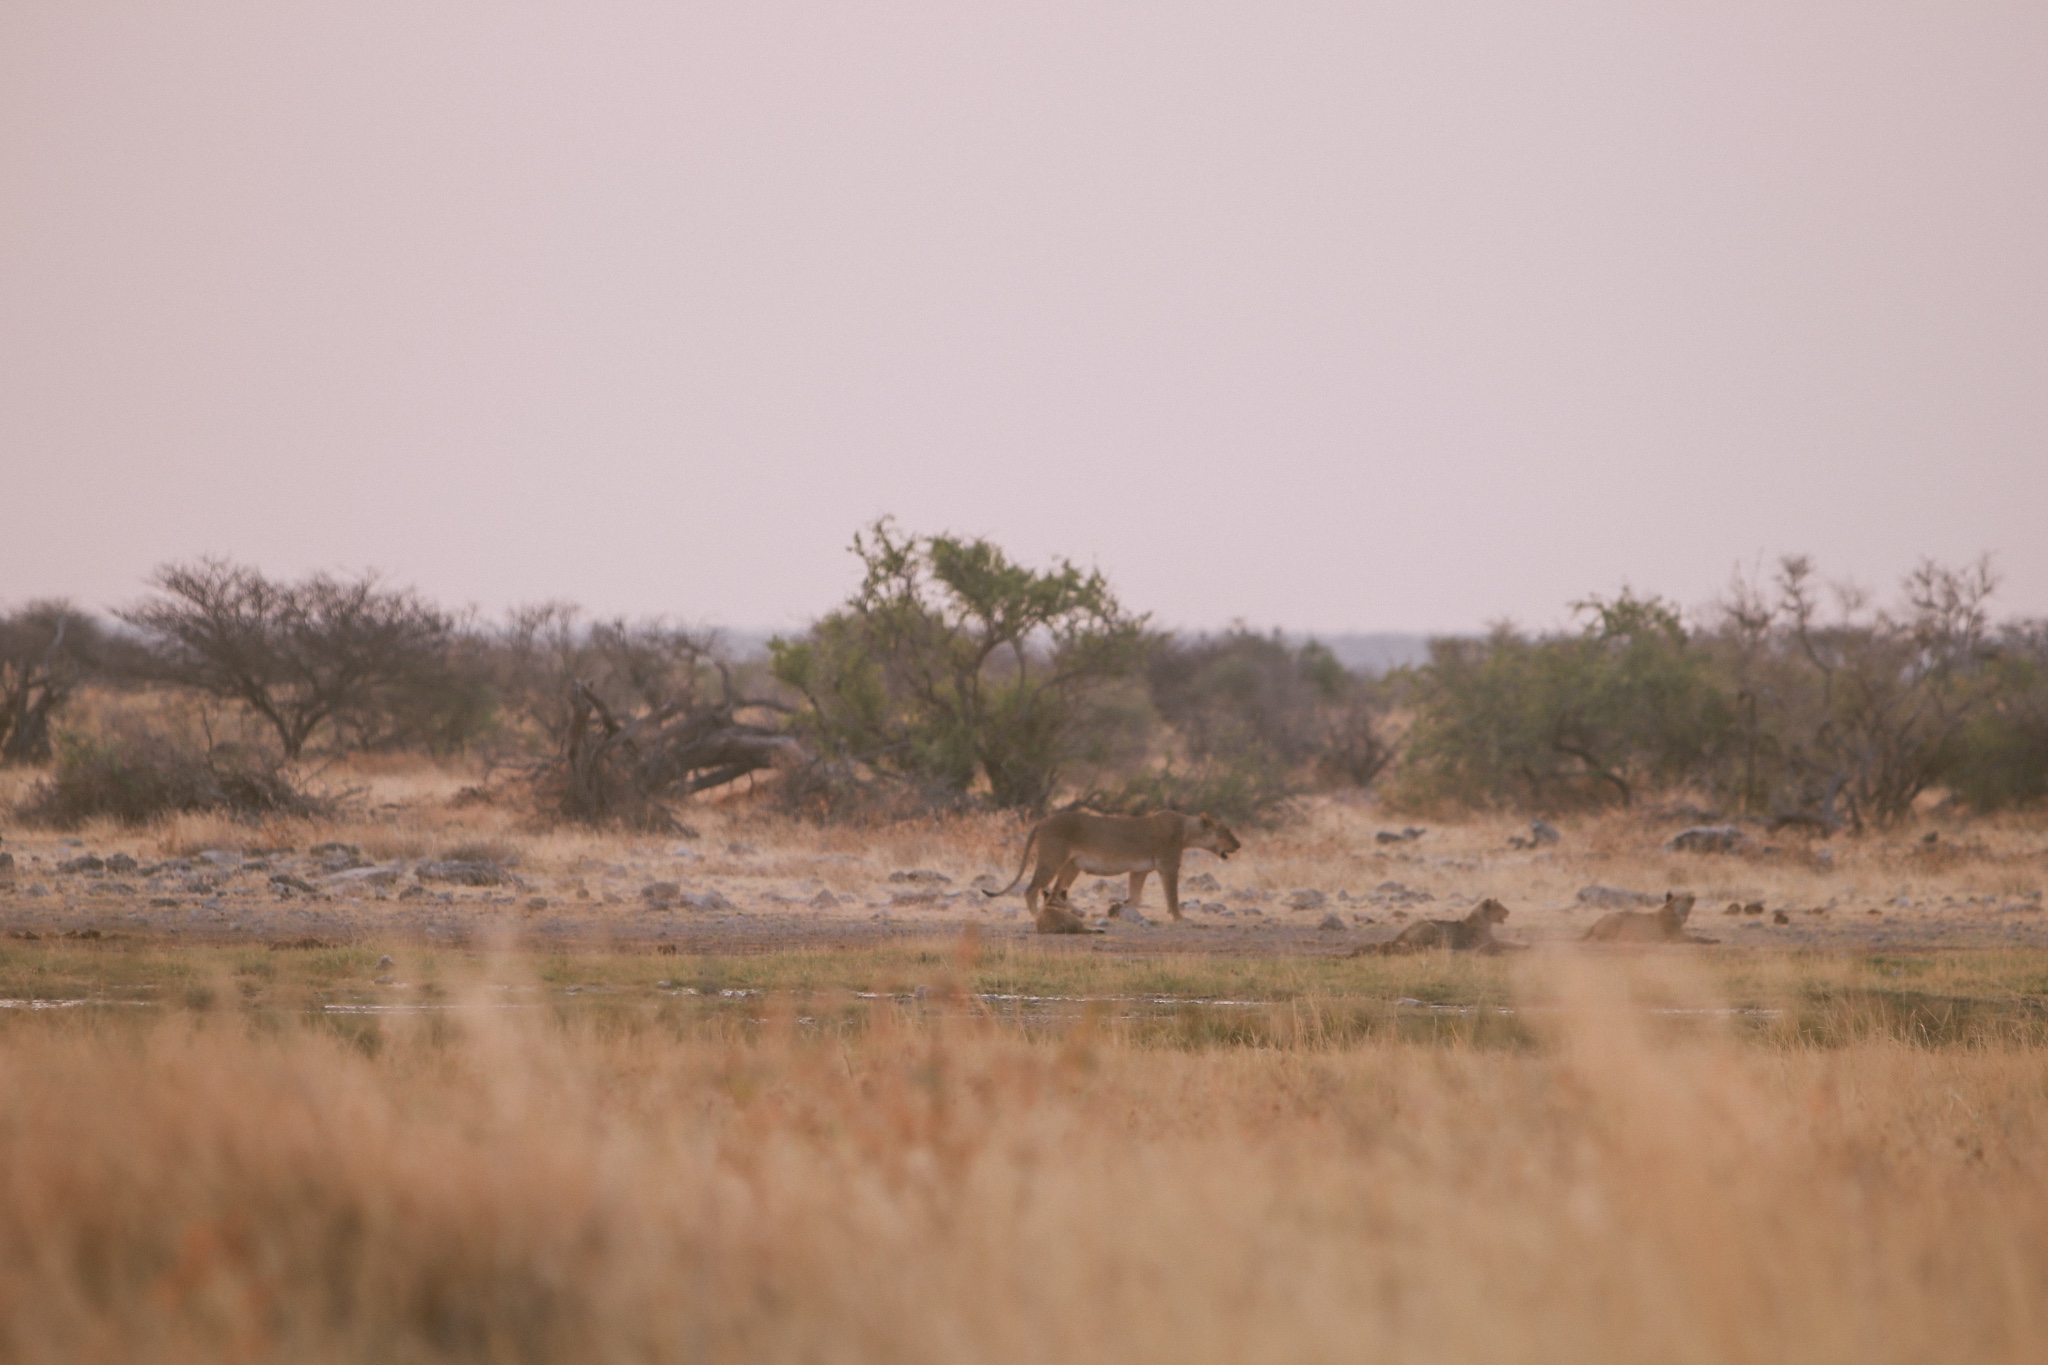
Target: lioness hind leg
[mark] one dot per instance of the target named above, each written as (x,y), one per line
(1046,879)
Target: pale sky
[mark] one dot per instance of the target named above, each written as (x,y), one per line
(1401,316)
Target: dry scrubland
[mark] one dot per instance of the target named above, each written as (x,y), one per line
(895,1127)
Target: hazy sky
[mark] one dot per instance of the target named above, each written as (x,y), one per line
(1360,316)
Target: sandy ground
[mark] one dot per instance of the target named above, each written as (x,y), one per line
(417,865)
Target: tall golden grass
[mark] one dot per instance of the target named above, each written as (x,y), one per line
(941,1185)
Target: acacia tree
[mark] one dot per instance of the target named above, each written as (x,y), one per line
(297,655)
(47,649)
(951,665)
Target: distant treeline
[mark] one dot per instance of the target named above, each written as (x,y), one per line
(955,677)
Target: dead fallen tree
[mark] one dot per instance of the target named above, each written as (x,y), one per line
(618,768)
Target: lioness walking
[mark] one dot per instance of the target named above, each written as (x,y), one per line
(1076,841)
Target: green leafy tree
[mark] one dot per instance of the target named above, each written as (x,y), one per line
(952,665)
(1626,703)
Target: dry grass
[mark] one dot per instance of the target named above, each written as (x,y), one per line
(747,1157)
(932,1183)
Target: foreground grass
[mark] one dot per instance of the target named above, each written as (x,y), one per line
(925,1179)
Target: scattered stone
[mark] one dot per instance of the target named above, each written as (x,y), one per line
(1614,898)
(386,961)
(1304,898)
(6,862)
(1753,908)
(706,900)
(1542,833)
(464,873)
(285,881)
(84,863)
(1779,917)
(1734,908)
(1399,836)
(1202,881)
(338,857)
(662,894)
(740,850)
(228,858)
(824,900)
(684,851)
(121,863)
(356,878)
(537,903)
(1708,839)
(1332,922)
(921,875)
(383,980)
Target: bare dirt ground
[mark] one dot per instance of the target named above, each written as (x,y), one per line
(415,862)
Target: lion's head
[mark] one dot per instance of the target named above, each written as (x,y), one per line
(1216,837)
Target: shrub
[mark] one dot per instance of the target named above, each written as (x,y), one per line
(1245,791)
(1847,717)
(2001,759)
(1242,703)
(1630,701)
(137,780)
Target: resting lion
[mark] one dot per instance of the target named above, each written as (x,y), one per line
(1057,916)
(1077,841)
(1472,934)
(1663,925)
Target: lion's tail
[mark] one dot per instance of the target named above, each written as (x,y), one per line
(1025,862)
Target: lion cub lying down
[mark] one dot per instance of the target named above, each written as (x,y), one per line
(1057,916)
(1663,925)
(1472,934)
